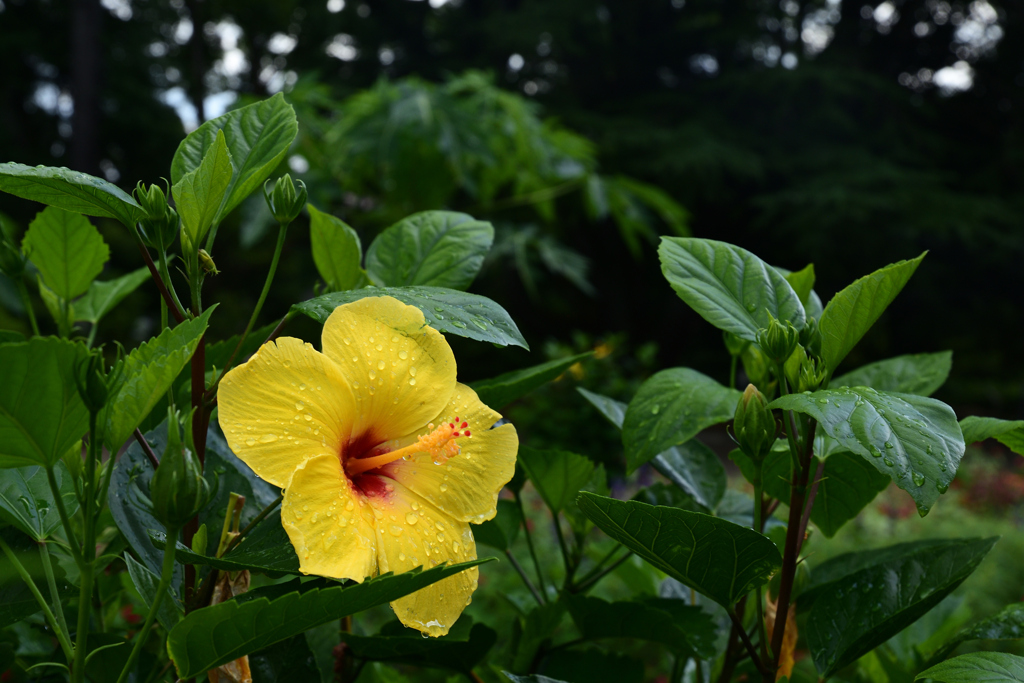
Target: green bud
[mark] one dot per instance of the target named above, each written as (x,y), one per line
(804,372)
(287,200)
(810,337)
(95,384)
(161,225)
(199,541)
(733,344)
(754,425)
(178,489)
(206,261)
(778,340)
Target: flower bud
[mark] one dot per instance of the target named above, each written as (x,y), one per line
(778,340)
(810,338)
(178,489)
(161,224)
(94,383)
(287,200)
(753,425)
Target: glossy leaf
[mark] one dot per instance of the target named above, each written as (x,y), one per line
(669,409)
(446,310)
(102,297)
(460,650)
(728,286)
(975,667)
(499,391)
(27,502)
(686,629)
(211,636)
(149,371)
(501,531)
(879,593)
(67,249)
(692,466)
(722,560)
(1007,624)
(70,190)
(200,193)
(41,413)
(337,252)
(855,309)
(266,549)
(288,660)
(128,501)
(258,138)
(558,475)
(920,374)
(432,248)
(146,582)
(914,440)
(1010,433)
(847,486)
(16,600)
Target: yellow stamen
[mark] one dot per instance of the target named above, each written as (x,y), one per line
(439,443)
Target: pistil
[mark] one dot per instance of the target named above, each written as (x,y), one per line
(439,443)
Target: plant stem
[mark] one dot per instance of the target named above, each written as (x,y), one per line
(65,521)
(570,568)
(252,525)
(601,563)
(522,575)
(750,647)
(88,565)
(278,248)
(810,500)
(758,526)
(594,578)
(165,272)
(166,574)
(732,371)
(51,583)
(529,544)
(26,301)
(146,448)
(65,644)
(175,311)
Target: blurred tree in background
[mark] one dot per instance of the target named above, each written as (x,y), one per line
(857,133)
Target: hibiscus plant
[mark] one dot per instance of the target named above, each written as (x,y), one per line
(241,493)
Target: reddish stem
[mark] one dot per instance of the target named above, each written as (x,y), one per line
(178,315)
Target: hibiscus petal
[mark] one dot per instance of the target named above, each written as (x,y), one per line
(328,523)
(412,533)
(401,371)
(286,404)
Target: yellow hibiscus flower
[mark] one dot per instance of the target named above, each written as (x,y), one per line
(384,458)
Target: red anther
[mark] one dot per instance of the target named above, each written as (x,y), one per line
(467,433)
(456,418)
(451,425)
(464,425)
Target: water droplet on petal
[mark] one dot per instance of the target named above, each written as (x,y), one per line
(268,438)
(250,441)
(411,518)
(412,382)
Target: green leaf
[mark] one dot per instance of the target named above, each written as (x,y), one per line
(722,560)
(854,310)
(41,413)
(1010,433)
(102,297)
(802,282)
(446,310)
(692,466)
(219,353)
(558,475)
(669,409)
(593,665)
(16,599)
(288,660)
(882,592)
(200,193)
(27,502)
(975,667)
(11,337)
(536,628)
(71,191)
(266,549)
(847,486)
(499,391)
(914,440)
(67,249)
(149,371)
(337,251)
(258,137)
(920,374)
(1007,624)
(432,248)
(686,629)
(536,678)
(395,644)
(501,531)
(728,286)
(128,501)
(146,582)
(211,636)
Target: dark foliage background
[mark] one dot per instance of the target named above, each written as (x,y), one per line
(846,134)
